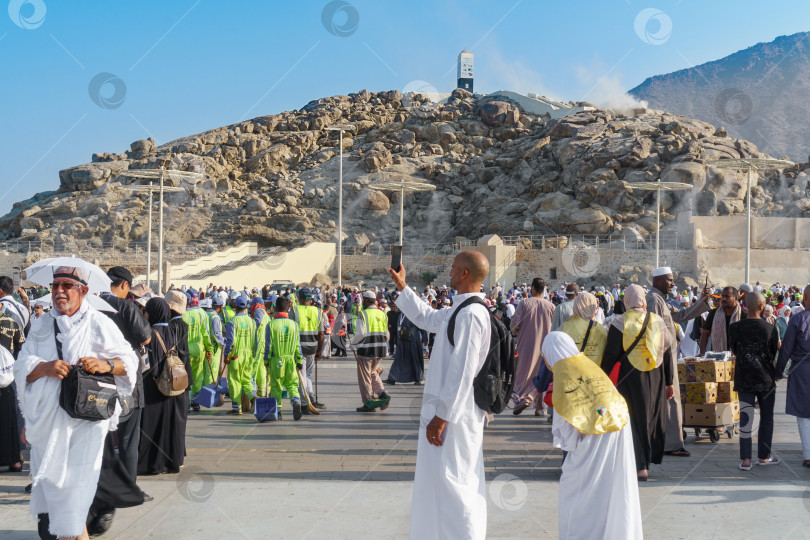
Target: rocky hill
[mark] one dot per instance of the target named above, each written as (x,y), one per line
(756,94)
(497,169)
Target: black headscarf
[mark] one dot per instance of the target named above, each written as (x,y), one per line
(158,310)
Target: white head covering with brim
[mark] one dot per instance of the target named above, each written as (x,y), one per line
(371,295)
(662,271)
(557,346)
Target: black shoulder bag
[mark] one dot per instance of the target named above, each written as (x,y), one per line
(87,396)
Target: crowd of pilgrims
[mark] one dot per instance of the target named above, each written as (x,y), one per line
(604,323)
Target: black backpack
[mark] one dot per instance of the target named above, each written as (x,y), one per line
(492,386)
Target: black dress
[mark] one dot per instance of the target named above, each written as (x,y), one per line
(409,360)
(11,339)
(645,394)
(163,426)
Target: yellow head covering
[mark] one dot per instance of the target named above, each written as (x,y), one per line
(649,352)
(583,395)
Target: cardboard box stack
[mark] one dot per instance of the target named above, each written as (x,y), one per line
(710,399)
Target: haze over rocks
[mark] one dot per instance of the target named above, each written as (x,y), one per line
(497,169)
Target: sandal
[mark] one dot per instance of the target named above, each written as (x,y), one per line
(683,452)
(770,461)
(806,464)
(744,467)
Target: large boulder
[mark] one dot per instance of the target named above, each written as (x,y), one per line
(585,221)
(498,113)
(374,200)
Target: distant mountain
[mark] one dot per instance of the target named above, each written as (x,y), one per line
(759,94)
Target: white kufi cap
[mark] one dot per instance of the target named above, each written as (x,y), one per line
(662,271)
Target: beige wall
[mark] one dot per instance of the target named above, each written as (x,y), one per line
(298,265)
(766,232)
(727,266)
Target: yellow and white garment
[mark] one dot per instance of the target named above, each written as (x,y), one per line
(648,354)
(598,493)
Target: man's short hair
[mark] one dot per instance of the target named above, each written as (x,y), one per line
(282,304)
(572,289)
(6,284)
(733,289)
(754,301)
(538,284)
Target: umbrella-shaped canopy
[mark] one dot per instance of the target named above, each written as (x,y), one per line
(94,301)
(41,273)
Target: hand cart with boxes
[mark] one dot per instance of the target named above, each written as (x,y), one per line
(710,404)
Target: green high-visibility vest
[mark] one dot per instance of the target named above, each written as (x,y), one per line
(308,318)
(284,338)
(198,338)
(244,337)
(261,334)
(216,347)
(375,342)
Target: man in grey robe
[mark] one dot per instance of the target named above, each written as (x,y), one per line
(663,282)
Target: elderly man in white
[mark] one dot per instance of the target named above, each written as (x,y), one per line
(66,452)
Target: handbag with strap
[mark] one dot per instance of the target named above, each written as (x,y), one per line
(614,373)
(173,378)
(86,396)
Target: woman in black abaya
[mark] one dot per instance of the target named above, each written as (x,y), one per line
(163,425)
(409,358)
(644,379)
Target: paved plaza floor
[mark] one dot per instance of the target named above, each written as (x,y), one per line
(349,475)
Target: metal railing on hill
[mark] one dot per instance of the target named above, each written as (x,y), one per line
(248,259)
(99,248)
(408,250)
(668,241)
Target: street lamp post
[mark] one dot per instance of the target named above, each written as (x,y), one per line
(658,187)
(161,175)
(749,164)
(402,186)
(340,128)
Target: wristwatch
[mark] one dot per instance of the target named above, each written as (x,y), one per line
(112,365)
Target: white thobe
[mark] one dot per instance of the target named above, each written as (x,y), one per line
(598,489)
(66,452)
(449,489)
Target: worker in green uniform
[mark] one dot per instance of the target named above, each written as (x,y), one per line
(262,319)
(240,343)
(355,312)
(228,311)
(199,342)
(311,332)
(215,331)
(283,355)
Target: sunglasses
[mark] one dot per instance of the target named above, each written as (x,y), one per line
(65,285)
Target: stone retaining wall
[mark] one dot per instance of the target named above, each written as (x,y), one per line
(553,265)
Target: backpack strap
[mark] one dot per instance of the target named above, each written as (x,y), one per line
(587,334)
(451,326)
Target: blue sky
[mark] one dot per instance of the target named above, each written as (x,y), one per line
(183,66)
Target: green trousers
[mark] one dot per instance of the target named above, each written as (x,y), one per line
(197,366)
(283,375)
(240,378)
(261,379)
